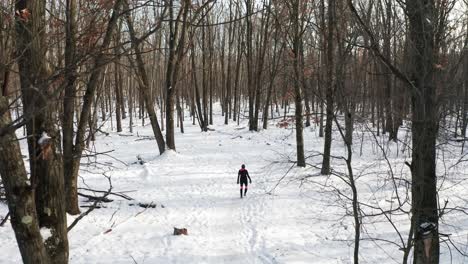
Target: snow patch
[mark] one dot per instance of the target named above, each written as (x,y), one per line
(46,233)
(168,155)
(44,138)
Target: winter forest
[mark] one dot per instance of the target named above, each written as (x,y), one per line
(125,127)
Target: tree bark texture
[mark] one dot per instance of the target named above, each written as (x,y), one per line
(425,125)
(297,86)
(330,86)
(46,163)
(20,195)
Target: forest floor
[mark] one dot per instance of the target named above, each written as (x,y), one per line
(290,214)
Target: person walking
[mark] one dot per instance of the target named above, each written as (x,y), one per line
(242,177)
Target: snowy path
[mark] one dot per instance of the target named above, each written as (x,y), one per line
(196,188)
(224,226)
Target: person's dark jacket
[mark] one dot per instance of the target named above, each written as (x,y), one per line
(242,176)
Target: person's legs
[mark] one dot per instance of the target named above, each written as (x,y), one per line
(241,186)
(245,189)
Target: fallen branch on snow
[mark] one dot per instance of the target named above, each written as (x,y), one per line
(96,198)
(119,194)
(94,206)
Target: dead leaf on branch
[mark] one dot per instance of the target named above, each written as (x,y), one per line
(23,14)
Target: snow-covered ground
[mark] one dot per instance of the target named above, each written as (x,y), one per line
(290,215)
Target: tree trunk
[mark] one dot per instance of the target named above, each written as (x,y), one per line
(130,103)
(211,74)
(143,83)
(20,195)
(46,166)
(321,74)
(204,79)
(349,122)
(304,86)
(227,83)
(249,60)
(118,83)
(260,62)
(297,79)
(465,98)
(237,78)
(275,61)
(389,123)
(180,112)
(425,127)
(200,113)
(226,75)
(71,171)
(69,107)
(170,89)
(176,53)
(122,96)
(330,84)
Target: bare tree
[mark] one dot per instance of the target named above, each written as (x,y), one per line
(99,63)
(143,81)
(20,195)
(330,85)
(297,28)
(69,105)
(46,163)
(423,51)
(176,53)
(465,82)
